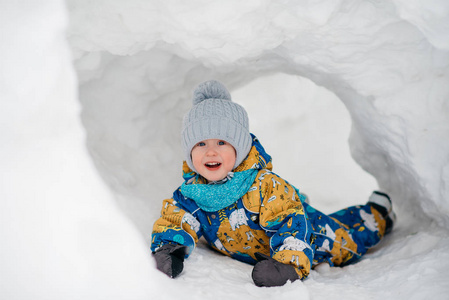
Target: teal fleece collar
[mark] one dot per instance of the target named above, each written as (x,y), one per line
(213,197)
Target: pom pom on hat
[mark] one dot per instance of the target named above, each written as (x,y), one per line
(211,89)
(215,116)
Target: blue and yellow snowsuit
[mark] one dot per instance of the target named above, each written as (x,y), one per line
(272,218)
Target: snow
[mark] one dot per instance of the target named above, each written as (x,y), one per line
(347,96)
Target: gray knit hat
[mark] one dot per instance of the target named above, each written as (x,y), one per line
(215,116)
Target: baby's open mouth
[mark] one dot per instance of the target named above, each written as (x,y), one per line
(213,165)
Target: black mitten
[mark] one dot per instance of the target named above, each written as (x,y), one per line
(170,259)
(270,272)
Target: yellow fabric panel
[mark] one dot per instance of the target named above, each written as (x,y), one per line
(252,159)
(295,258)
(243,240)
(279,201)
(381,222)
(343,248)
(171,218)
(251,200)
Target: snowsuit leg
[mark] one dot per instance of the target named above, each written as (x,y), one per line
(365,223)
(345,236)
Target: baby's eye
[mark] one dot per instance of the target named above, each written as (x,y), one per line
(221,143)
(200,144)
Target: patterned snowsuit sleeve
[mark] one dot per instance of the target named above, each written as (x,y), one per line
(283,218)
(176,225)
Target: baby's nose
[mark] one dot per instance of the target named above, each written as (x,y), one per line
(211,150)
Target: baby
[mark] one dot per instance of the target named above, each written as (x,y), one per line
(232,198)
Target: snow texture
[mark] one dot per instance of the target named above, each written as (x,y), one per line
(93,94)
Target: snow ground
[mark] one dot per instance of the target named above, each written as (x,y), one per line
(75,221)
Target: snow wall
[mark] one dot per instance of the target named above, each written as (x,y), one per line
(387,61)
(137,63)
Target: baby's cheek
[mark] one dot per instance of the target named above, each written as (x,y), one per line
(196,158)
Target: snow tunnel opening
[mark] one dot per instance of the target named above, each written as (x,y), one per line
(133,123)
(307,137)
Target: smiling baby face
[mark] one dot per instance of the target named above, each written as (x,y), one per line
(213,159)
